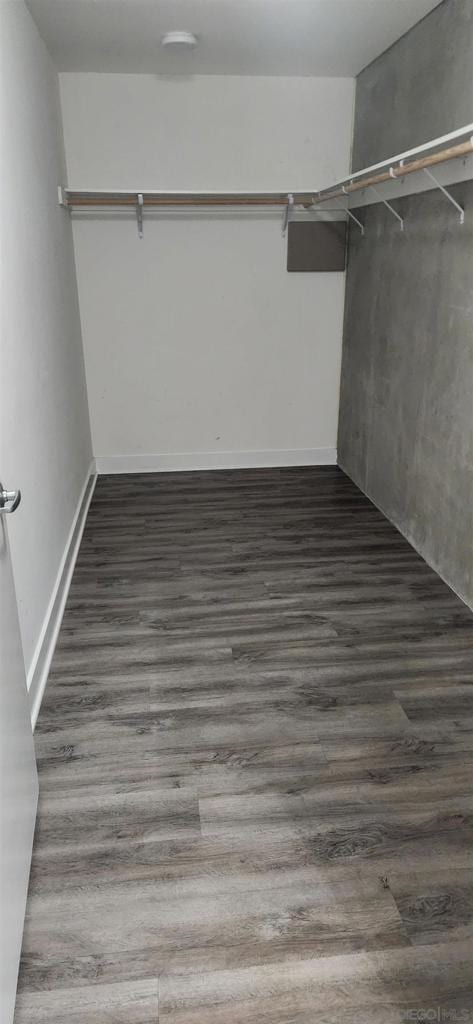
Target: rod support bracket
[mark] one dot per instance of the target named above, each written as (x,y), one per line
(287,212)
(350,214)
(139,214)
(389,207)
(355,219)
(447,194)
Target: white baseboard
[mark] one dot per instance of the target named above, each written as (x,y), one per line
(38,671)
(166,462)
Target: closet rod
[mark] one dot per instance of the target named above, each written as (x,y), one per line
(400,171)
(184,199)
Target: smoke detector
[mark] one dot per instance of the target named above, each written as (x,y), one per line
(179,40)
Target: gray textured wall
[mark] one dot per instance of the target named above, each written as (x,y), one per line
(422,87)
(406,411)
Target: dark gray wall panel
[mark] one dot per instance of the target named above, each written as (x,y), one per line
(406,411)
(422,87)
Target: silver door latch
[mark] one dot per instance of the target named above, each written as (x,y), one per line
(9,500)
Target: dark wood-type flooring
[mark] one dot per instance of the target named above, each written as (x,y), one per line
(256,766)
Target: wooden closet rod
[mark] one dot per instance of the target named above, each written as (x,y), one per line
(184,199)
(402,169)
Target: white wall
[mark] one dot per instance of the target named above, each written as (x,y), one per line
(45,446)
(196,339)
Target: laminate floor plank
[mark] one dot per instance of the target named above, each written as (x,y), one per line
(435,906)
(255,754)
(209,932)
(357,987)
(121,1003)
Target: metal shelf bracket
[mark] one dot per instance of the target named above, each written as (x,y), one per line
(139,214)
(446,193)
(287,212)
(388,206)
(355,219)
(352,215)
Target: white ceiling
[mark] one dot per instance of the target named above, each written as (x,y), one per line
(236,37)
